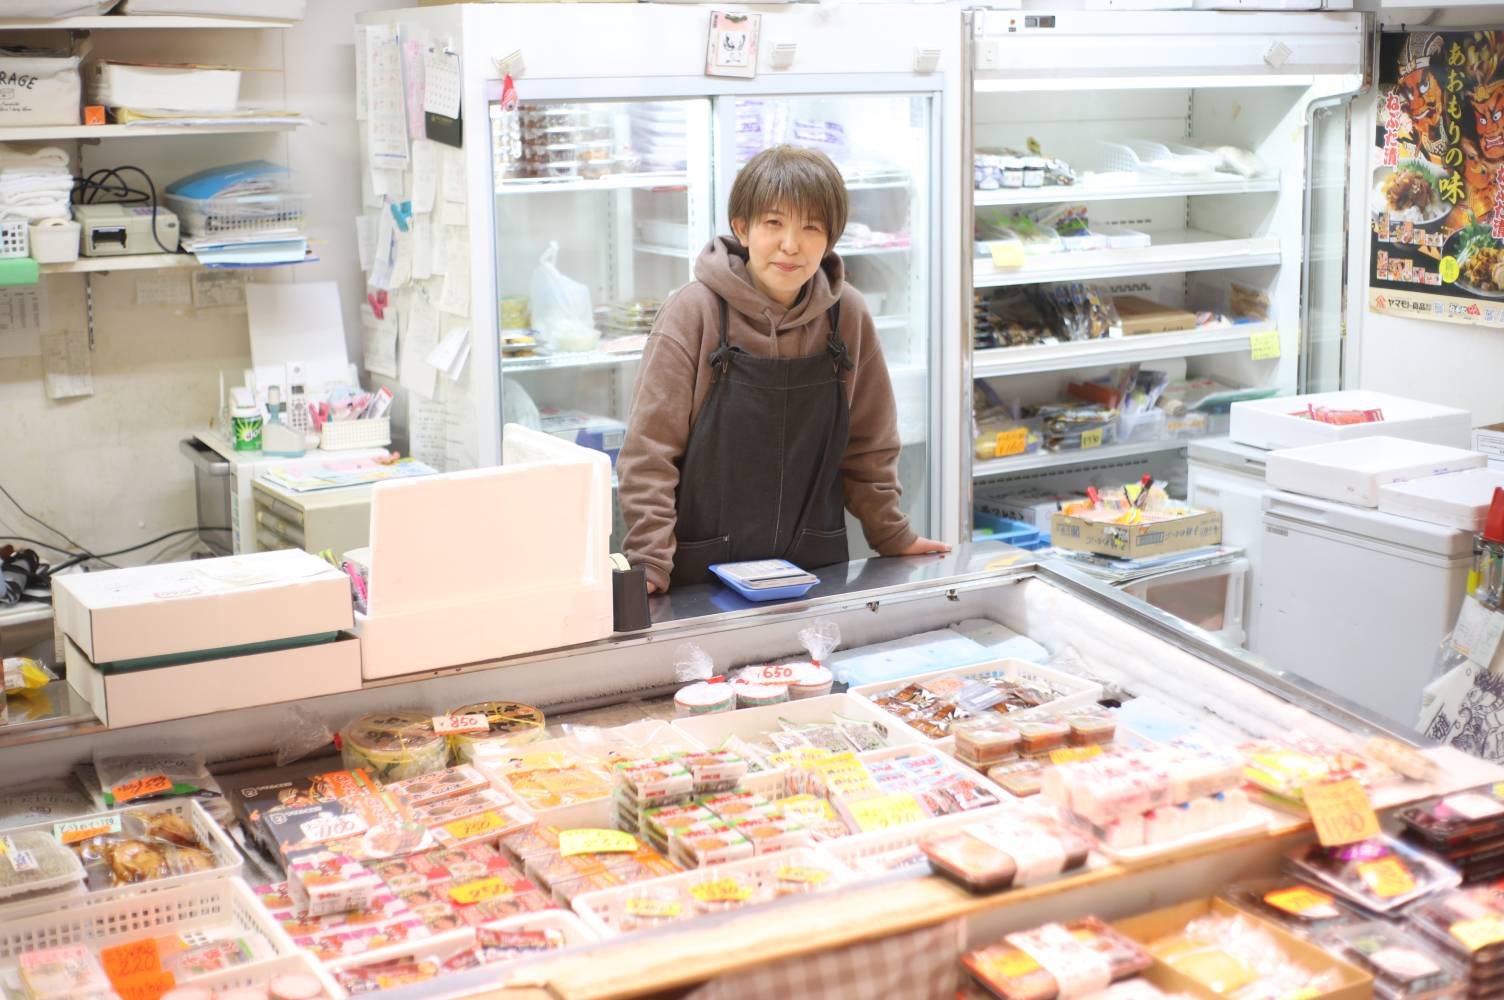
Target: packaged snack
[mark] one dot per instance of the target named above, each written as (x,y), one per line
(446,784)
(656,781)
(32,862)
(662,821)
(1298,907)
(21,673)
(138,777)
(800,879)
(1456,820)
(1020,779)
(1025,847)
(649,906)
(1381,874)
(394,746)
(1469,925)
(759,695)
(715,770)
(1091,730)
(719,891)
(711,843)
(45,801)
(511,724)
(1041,737)
(704,698)
(811,681)
(548,780)
(984,744)
(970,862)
(1404,967)
(321,883)
(458,807)
(1086,954)
(68,972)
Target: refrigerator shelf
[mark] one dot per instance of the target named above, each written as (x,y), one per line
(1035,358)
(610,182)
(573,359)
(1116,187)
(1172,252)
(681,253)
(1060,459)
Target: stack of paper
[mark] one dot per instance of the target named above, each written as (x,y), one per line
(241,215)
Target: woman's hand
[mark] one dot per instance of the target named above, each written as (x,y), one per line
(923,547)
(652,587)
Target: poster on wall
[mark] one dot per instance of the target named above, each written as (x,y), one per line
(1437,178)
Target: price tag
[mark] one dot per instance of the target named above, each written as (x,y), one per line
(661,909)
(131,959)
(1010,442)
(72,831)
(1006,254)
(1069,755)
(474,892)
(721,890)
(451,725)
(1478,632)
(1264,346)
(801,875)
(1341,812)
(1387,877)
(1478,934)
(23,861)
(886,811)
(475,826)
(1302,902)
(773,673)
(156,784)
(1012,965)
(146,986)
(589,841)
(1091,439)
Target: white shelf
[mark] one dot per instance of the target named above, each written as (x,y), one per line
(1132,186)
(877,185)
(680,253)
(890,322)
(573,359)
(125,262)
(869,251)
(1035,358)
(42,133)
(107,22)
(611,182)
(1059,459)
(1171,252)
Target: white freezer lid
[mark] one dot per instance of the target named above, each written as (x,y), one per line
(1226,453)
(1367,523)
(1457,500)
(1377,455)
(1278,422)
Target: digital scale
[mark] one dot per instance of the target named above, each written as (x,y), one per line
(765,579)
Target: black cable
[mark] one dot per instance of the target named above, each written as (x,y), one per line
(86,556)
(38,520)
(98,183)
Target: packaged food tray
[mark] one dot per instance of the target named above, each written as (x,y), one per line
(1079,692)
(443,946)
(710,731)
(228,862)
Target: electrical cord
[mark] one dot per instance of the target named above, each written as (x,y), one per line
(86,556)
(86,191)
(38,520)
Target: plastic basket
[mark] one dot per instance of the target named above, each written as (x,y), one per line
(1000,529)
(263,972)
(252,213)
(228,862)
(445,945)
(710,731)
(202,906)
(853,849)
(14,241)
(343,435)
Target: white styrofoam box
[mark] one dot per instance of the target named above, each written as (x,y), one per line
(1457,500)
(1489,439)
(39,90)
(1079,691)
(597,908)
(211,905)
(136,697)
(169,88)
(710,731)
(1352,471)
(449,943)
(1281,422)
(279,10)
(203,604)
(523,585)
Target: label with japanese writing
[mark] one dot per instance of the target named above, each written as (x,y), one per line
(72,831)
(1341,812)
(1387,877)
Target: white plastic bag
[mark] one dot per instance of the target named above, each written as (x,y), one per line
(561,306)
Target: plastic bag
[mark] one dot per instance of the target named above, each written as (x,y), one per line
(25,674)
(131,777)
(562,312)
(691,663)
(302,734)
(820,638)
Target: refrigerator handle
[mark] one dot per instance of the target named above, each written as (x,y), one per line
(1293,508)
(970,25)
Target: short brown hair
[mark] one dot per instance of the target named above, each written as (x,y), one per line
(794,179)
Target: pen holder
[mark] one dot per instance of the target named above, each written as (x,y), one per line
(629,597)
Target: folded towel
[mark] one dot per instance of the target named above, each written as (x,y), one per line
(60,208)
(46,156)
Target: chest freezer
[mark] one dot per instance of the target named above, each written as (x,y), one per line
(1356,600)
(1228,477)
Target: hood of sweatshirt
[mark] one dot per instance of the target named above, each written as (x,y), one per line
(722,267)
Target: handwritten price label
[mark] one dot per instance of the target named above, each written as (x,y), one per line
(1006,254)
(1069,755)
(1264,346)
(773,673)
(452,725)
(1387,877)
(1010,442)
(156,784)
(1091,439)
(82,829)
(591,841)
(721,890)
(475,826)
(1341,812)
(132,959)
(146,986)
(1301,902)
(886,812)
(802,876)
(474,892)
(1478,934)
(654,909)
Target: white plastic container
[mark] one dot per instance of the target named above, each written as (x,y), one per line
(445,945)
(54,241)
(749,724)
(261,974)
(1352,471)
(1459,500)
(39,90)
(343,435)
(1281,422)
(167,88)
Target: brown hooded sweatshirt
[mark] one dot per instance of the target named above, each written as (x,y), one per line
(675,377)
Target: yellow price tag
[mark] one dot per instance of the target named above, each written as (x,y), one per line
(1011,964)
(1264,346)
(1091,439)
(722,890)
(1301,901)
(803,876)
(1387,877)
(474,892)
(654,909)
(591,841)
(1010,442)
(1006,254)
(886,811)
(1069,755)
(475,826)
(1476,935)
(1341,812)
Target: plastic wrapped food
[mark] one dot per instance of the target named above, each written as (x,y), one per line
(1403,965)
(1456,820)
(68,972)
(394,746)
(1238,958)
(1296,906)
(22,673)
(720,891)
(447,784)
(45,801)
(512,724)
(1381,874)
(1030,965)
(32,862)
(997,854)
(1469,925)
(133,777)
(985,743)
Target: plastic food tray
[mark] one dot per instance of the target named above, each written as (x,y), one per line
(442,946)
(1254,820)
(710,731)
(228,862)
(1080,692)
(865,845)
(595,908)
(211,905)
(261,973)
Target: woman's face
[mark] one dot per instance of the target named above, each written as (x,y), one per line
(784,250)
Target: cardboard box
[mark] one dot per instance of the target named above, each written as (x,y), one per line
(141,696)
(1195,530)
(204,604)
(1139,315)
(1148,927)
(1489,439)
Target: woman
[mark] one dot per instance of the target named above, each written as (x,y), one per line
(763,408)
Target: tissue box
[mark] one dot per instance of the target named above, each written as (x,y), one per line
(584,429)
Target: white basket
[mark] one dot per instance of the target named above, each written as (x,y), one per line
(237,214)
(263,972)
(202,906)
(711,730)
(1141,155)
(227,860)
(595,908)
(343,435)
(54,241)
(1080,692)
(13,238)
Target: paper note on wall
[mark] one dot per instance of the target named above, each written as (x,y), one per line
(454,298)
(426,423)
(425,175)
(23,317)
(422,248)
(386,114)
(420,335)
(454,174)
(365,240)
(378,338)
(441,82)
(218,289)
(451,353)
(66,367)
(163,288)
(412,84)
(362,72)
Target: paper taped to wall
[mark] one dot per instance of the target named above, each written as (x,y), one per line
(23,317)
(66,367)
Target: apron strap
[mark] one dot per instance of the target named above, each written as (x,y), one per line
(839,356)
(718,357)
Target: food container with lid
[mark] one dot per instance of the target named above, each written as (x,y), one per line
(394,745)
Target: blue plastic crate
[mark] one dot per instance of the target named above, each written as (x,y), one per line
(1000,529)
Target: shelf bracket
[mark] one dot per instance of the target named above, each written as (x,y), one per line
(89,306)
